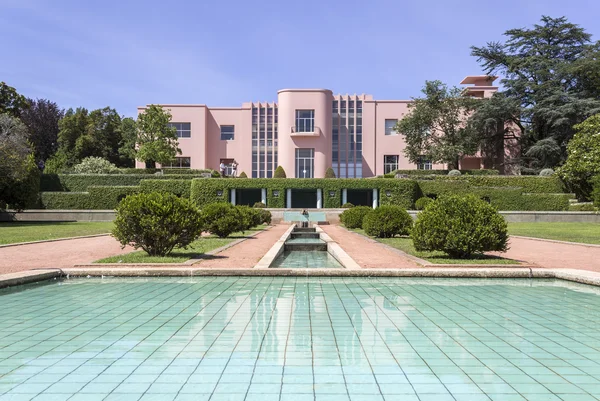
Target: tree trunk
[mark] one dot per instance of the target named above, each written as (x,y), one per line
(150,164)
(454,165)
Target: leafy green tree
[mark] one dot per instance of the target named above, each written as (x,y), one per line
(436,128)
(583,161)
(42,118)
(99,133)
(552,73)
(497,120)
(19,175)
(157,141)
(11,102)
(127,143)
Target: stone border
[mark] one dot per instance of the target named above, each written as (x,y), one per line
(428,264)
(556,241)
(53,240)
(335,250)
(29,276)
(276,250)
(189,262)
(578,276)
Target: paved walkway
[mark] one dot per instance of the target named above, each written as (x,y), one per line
(553,254)
(58,254)
(246,253)
(368,254)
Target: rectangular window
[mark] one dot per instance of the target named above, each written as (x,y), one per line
(424,164)
(390,163)
(390,127)
(179,162)
(227,132)
(305,121)
(184,130)
(305,163)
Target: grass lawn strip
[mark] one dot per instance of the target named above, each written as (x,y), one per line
(196,248)
(585,233)
(21,231)
(405,244)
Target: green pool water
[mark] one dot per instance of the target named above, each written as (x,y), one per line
(305,260)
(300,338)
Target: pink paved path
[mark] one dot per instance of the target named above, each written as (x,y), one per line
(554,255)
(368,254)
(58,254)
(248,252)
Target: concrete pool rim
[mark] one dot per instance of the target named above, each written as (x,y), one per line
(38,275)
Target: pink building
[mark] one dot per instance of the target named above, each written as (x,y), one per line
(305,132)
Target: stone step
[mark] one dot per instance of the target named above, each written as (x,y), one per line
(305,247)
(305,235)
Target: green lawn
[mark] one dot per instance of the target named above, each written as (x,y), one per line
(588,233)
(195,249)
(405,244)
(14,232)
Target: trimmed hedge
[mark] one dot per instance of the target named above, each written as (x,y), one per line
(180,188)
(596,191)
(440,172)
(98,198)
(65,200)
(529,184)
(81,182)
(391,192)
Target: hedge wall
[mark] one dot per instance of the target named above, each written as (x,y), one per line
(440,172)
(401,192)
(98,198)
(529,184)
(65,200)
(180,188)
(81,182)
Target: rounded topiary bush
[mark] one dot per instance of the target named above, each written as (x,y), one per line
(460,226)
(157,222)
(454,173)
(387,222)
(95,165)
(353,217)
(250,217)
(243,175)
(547,172)
(259,205)
(265,216)
(221,219)
(279,172)
(347,205)
(329,173)
(421,203)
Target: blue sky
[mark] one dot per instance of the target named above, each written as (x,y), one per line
(130,53)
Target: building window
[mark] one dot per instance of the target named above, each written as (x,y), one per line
(184,130)
(179,162)
(424,164)
(227,132)
(305,163)
(390,127)
(390,163)
(305,121)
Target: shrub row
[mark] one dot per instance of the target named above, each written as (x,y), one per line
(596,191)
(392,192)
(98,198)
(181,188)
(529,184)
(81,182)
(440,172)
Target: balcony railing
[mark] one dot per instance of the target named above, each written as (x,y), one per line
(315,132)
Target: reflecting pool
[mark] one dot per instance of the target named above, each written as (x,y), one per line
(300,338)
